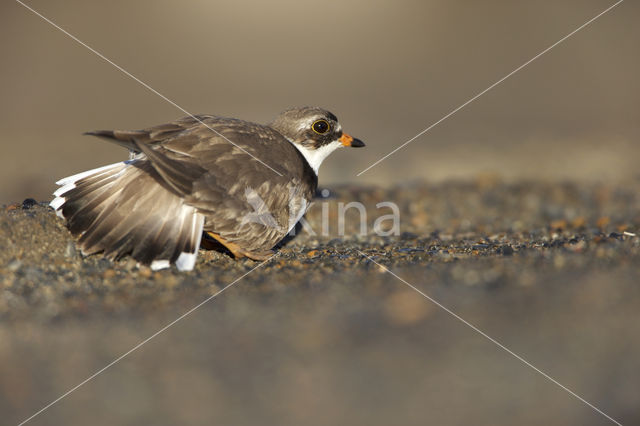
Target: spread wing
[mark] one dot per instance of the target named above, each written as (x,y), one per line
(218,166)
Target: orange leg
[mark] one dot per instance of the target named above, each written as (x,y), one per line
(239,252)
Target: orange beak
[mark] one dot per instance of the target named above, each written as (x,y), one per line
(348,140)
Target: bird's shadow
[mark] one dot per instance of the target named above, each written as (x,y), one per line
(210,243)
(290,236)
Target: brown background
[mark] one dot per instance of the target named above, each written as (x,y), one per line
(387,69)
(328,338)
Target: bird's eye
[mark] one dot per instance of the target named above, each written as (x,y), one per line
(320,126)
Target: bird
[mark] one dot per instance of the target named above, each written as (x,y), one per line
(242,184)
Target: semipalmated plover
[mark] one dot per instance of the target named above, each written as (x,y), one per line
(244,184)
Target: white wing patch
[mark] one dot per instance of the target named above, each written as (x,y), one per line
(77,177)
(186,261)
(69,183)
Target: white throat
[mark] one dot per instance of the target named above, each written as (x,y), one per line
(315,157)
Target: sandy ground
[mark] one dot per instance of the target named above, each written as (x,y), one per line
(322,334)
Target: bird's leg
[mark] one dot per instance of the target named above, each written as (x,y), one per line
(235,250)
(258,255)
(238,252)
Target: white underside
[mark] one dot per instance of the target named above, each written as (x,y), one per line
(315,157)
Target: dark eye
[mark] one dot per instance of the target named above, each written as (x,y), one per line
(320,126)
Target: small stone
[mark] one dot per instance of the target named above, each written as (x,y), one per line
(130,264)
(14,265)
(408,250)
(70,251)
(579,246)
(28,203)
(145,271)
(105,263)
(506,250)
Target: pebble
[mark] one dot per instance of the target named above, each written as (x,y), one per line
(465,237)
(28,203)
(70,251)
(145,271)
(506,250)
(14,265)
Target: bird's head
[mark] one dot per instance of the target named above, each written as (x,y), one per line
(315,132)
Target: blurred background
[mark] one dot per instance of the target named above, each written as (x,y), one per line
(387,69)
(333,340)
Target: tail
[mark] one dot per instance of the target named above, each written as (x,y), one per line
(123,208)
(120,137)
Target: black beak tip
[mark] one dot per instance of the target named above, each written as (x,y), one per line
(357,143)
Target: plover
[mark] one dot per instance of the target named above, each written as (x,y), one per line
(243,184)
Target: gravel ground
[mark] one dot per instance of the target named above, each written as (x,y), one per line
(321,334)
